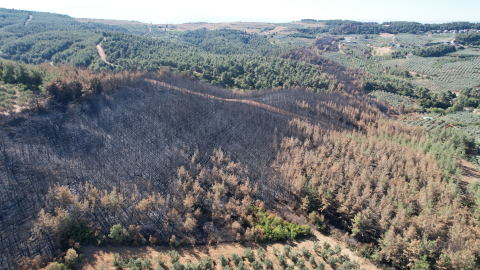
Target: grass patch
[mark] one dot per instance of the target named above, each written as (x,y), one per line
(275,229)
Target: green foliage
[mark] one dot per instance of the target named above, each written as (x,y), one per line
(282,260)
(294,256)
(268,264)
(159,259)
(261,253)
(469,38)
(287,249)
(320,266)
(256,265)
(57,266)
(301,263)
(434,51)
(236,258)
(305,252)
(312,261)
(275,229)
(190,266)
(176,266)
(146,264)
(207,263)
(134,264)
(233,71)
(249,254)
(174,256)
(290,267)
(118,234)
(241,266)
(230,42)
(222,260)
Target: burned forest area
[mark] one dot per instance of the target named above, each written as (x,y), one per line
(111,139)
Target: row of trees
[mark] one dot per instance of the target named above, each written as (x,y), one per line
(469,38)
(396,27)
(434,51)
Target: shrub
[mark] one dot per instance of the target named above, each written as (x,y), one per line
(173,242)
(275,251)
(177,266)
(248,253)
(294,256)
(57,266)
(256,265)
(222,260)
(174,256)
(236,259)
(227,268)
(190,266)
(118,234)
(320,266)
(332,261)
(146,263)
(117,261)
(326,245)
(134,264)
(207,263)
(281,259)
(290,267)
(318,220)
(301,263)
(305,252)
(287,249)
(324,254)
(316,246)
(241,266)
(261,253)
(311,260)
(159,260)
(268,264)
(337,249)
(159,268)
(71,258)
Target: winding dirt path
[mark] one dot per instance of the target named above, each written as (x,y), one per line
(244,101)
(149,31)
(101,53)
(29,18)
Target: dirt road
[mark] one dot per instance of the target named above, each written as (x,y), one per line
(101,53)
(245,101)
(29,18)
(149,31)
(95,257)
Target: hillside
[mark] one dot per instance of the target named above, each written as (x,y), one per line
(260,135)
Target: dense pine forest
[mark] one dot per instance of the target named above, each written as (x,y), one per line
(202,137)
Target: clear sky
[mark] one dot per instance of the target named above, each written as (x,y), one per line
(182,11)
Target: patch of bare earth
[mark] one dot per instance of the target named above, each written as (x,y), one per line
(249,27)
(310,24)
(383,50)
(114,22)
(101,53)
(386,35)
